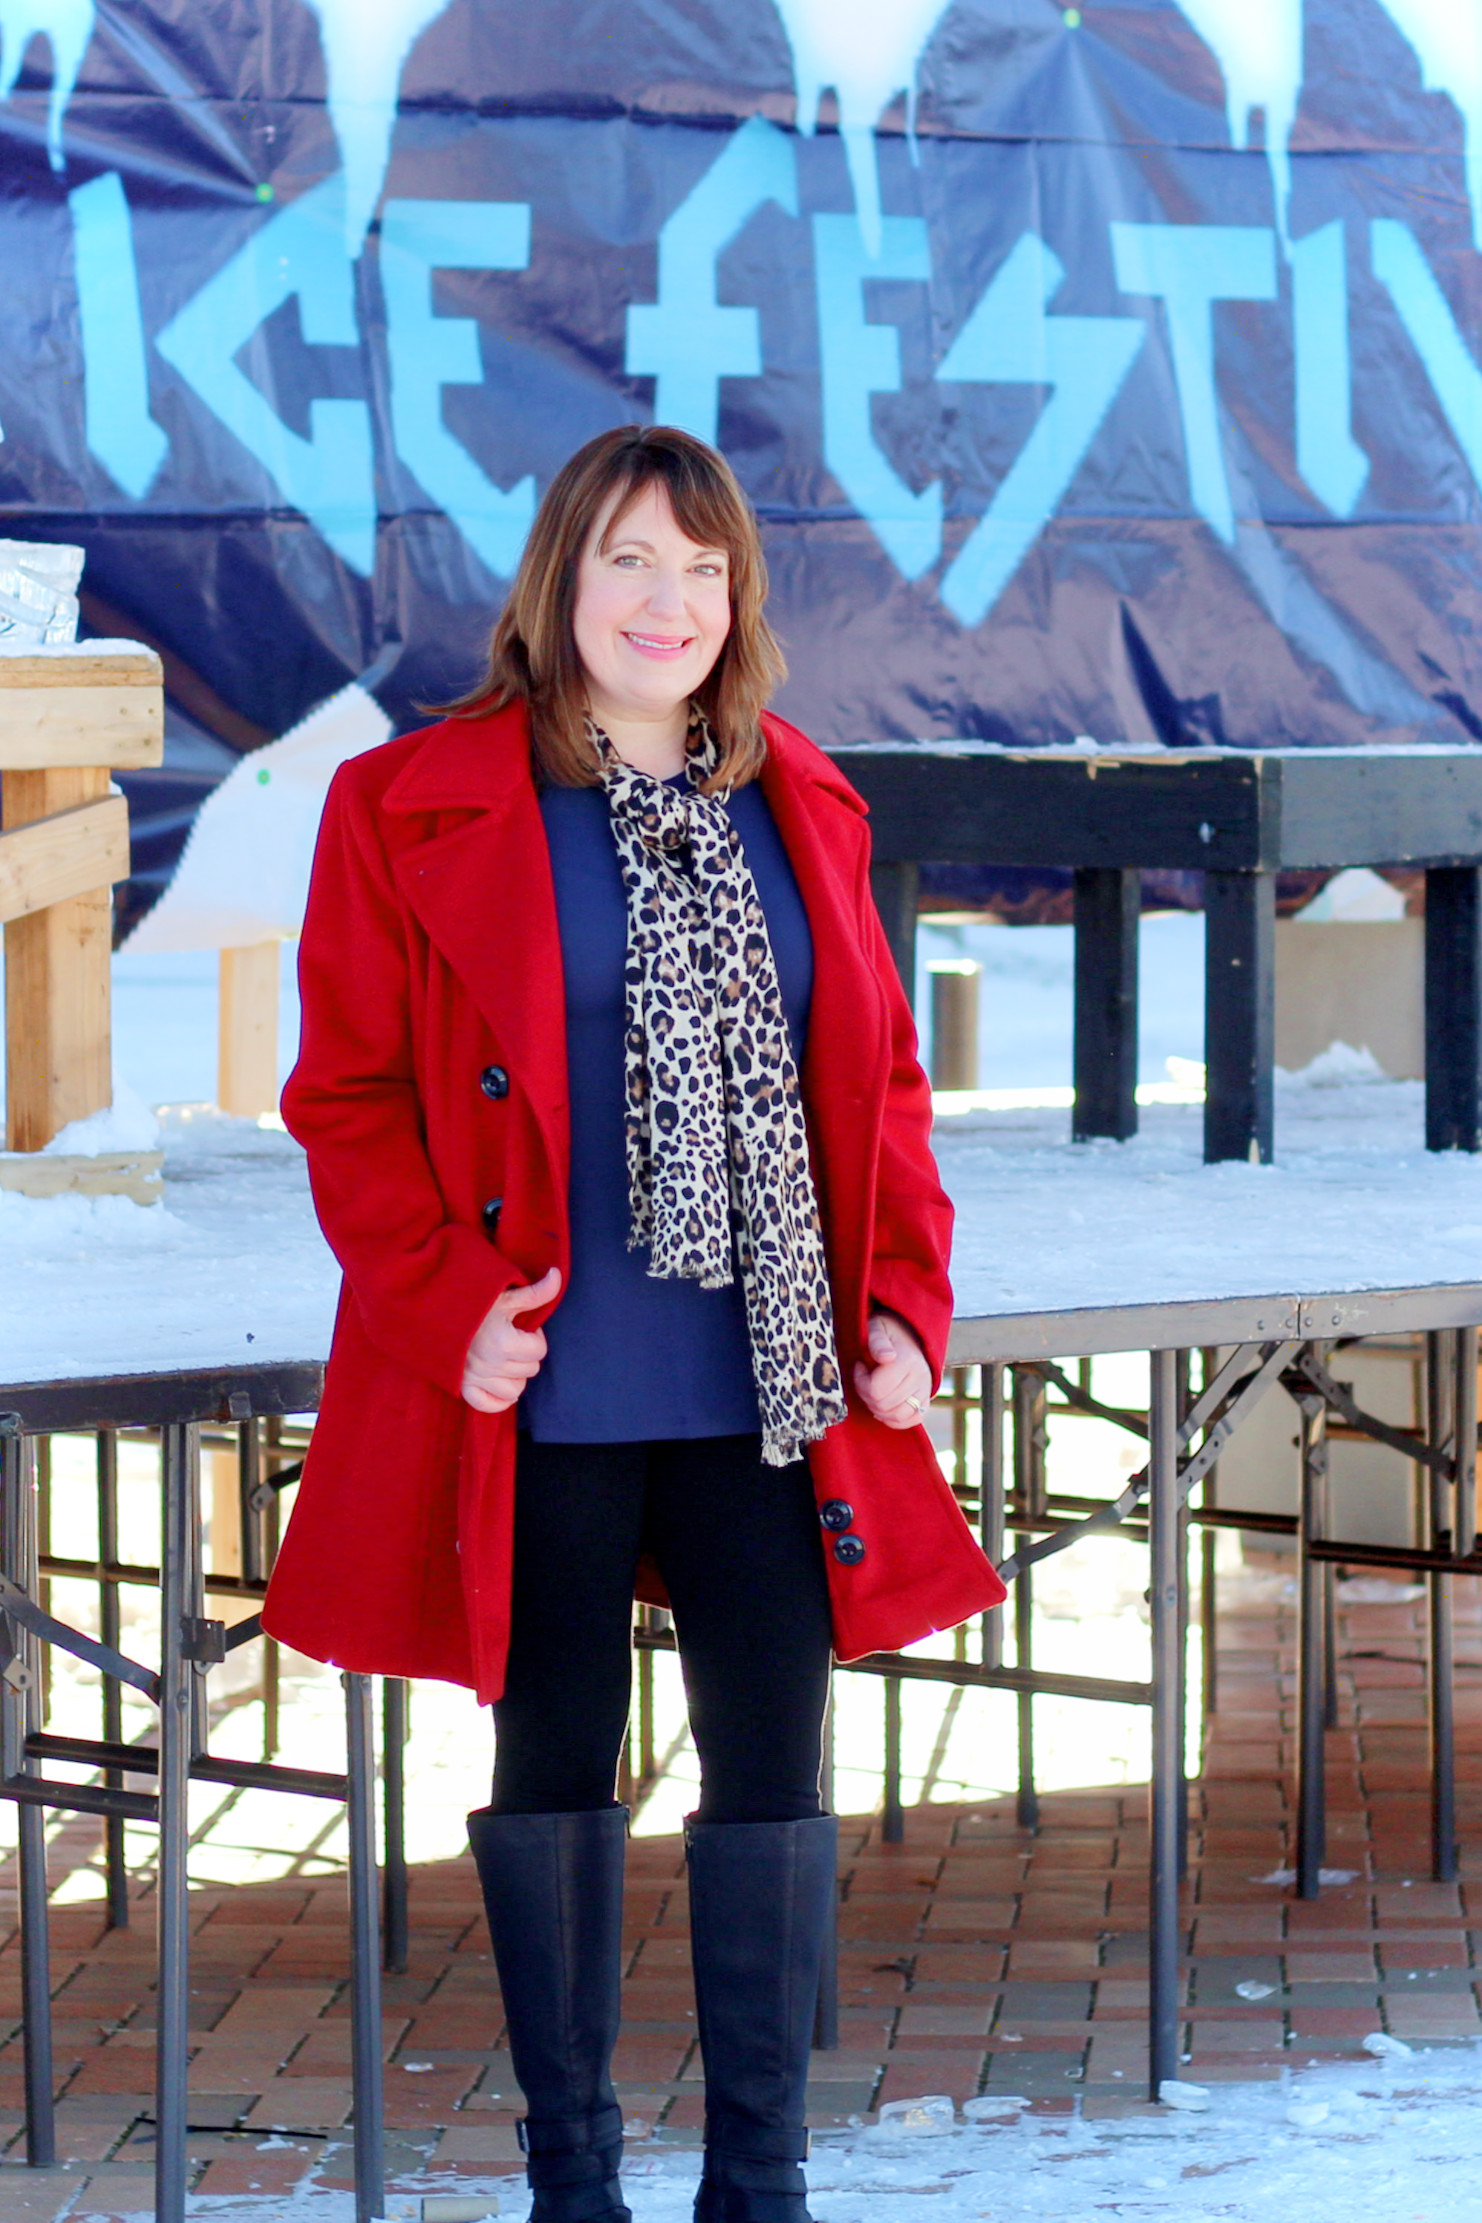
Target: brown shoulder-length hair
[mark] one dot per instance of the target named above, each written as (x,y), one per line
(532,655)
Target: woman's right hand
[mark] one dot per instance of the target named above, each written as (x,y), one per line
(503,1357)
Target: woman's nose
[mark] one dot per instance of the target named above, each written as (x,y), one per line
(665,595)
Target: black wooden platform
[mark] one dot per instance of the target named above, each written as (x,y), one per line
(1239,818)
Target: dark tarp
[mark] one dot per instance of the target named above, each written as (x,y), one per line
(1073,414)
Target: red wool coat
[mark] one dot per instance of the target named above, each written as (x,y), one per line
(430,952)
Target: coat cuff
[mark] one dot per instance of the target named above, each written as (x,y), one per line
(432,1328)
(900,1291)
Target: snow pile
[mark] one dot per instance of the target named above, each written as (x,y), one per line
(1333,1067)
(244,874)
(127,1124)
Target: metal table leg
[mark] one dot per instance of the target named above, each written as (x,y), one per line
(1030,1444)
(1239,1014)
(393,1826)
(1167,1780)
(1441,1713)
(1311,1651)
(826,2013)
(991,1513)
(1108,905)
(110,1629)
(365,1955)
(1465,1407)
(41,2122)
(1453,1007)
(20,1696)
(178,1537)
(893,1817)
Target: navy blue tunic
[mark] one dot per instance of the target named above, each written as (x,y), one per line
(630,1358)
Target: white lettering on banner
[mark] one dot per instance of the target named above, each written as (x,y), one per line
(686,341)
(429,352)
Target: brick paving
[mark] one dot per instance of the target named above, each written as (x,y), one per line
(974,1958)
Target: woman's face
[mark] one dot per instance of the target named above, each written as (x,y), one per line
(653,609)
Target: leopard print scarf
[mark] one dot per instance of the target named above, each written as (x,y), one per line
(717,1148)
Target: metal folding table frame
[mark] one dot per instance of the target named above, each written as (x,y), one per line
(1264,1340)
(1249,1345)
(176,1405)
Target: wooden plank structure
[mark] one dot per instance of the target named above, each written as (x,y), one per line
(247,1036)
(69,718)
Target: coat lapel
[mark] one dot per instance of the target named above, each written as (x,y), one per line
(482,890)
(846,1065)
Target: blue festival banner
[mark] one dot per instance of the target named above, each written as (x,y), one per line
(1108,370)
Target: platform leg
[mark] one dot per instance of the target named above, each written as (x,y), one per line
(1311,1653)
(895,888)
(1167,1788)
(1453,1007)
(365,1955)
(58,980)
(178,1461)
(1108,906)
(1239,1014)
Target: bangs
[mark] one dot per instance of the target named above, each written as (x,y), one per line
(704,508)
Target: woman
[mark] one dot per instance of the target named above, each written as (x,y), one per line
(614,1122)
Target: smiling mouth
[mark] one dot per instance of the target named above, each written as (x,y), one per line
(657,644)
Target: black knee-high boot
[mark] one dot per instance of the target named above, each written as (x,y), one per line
(553,1888)
(761,1897)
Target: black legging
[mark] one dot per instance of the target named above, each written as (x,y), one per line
(739,1549)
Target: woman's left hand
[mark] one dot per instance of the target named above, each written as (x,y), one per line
(896,1386)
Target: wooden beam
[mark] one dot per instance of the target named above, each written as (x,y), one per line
(72,709)
(58,1063)
(132,1173)
(247,1038)
(71,853)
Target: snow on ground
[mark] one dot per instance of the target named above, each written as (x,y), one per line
(1388,2141)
